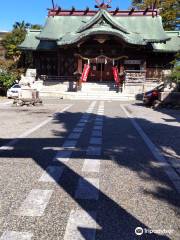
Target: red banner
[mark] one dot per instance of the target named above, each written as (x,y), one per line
(85,72)
(116,75)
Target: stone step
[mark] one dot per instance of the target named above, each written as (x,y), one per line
(110,93)
(88,95)
(99,98)
(86,87)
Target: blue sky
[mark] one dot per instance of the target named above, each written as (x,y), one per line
(35,11)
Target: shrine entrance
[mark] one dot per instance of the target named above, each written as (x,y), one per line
(100,69)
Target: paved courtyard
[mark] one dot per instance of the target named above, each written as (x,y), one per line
(89,170)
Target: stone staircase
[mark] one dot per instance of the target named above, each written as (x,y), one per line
(90,91)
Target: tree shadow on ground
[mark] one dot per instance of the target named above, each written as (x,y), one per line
(122,147)
(173,113)
(171,147)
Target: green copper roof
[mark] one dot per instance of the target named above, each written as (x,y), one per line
(129,29)
(173,45)
(58,26)
(101,30)
(67,30)
(103,16)
(32,43)
(149,28)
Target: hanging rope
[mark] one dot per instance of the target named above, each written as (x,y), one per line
(100,56)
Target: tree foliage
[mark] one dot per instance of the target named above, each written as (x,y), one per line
(7,79)
(11,42)
(169,10)
(9,72)
(15,38)
(175,76)
(10,69)
(36,26)
(24,26)
(21,25)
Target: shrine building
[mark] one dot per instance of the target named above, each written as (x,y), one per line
(103,38)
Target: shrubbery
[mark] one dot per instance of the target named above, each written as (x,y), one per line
(7,79)
(11,68)
(9,73)
(175,76)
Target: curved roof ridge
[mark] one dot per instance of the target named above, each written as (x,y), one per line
(101,13)
(76,37)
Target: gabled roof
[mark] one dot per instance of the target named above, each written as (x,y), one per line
(67,30)
(173,45)
(72,38)
(102,15)
(56,27)
(32,43)
(149,28)
(129,29)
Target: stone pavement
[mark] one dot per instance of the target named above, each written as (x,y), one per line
(163,128)
(81,172)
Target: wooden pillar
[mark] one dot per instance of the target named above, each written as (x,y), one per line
(37,62)
(80,66)
(145,68)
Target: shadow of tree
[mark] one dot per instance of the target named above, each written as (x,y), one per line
(165,129)
(121,145)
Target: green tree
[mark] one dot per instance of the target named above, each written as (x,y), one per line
(169,10)
(11,42)
(36,26)
(24,26)
(9,72)
(175,76)
(7,79)
(16,37)
(21,25)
